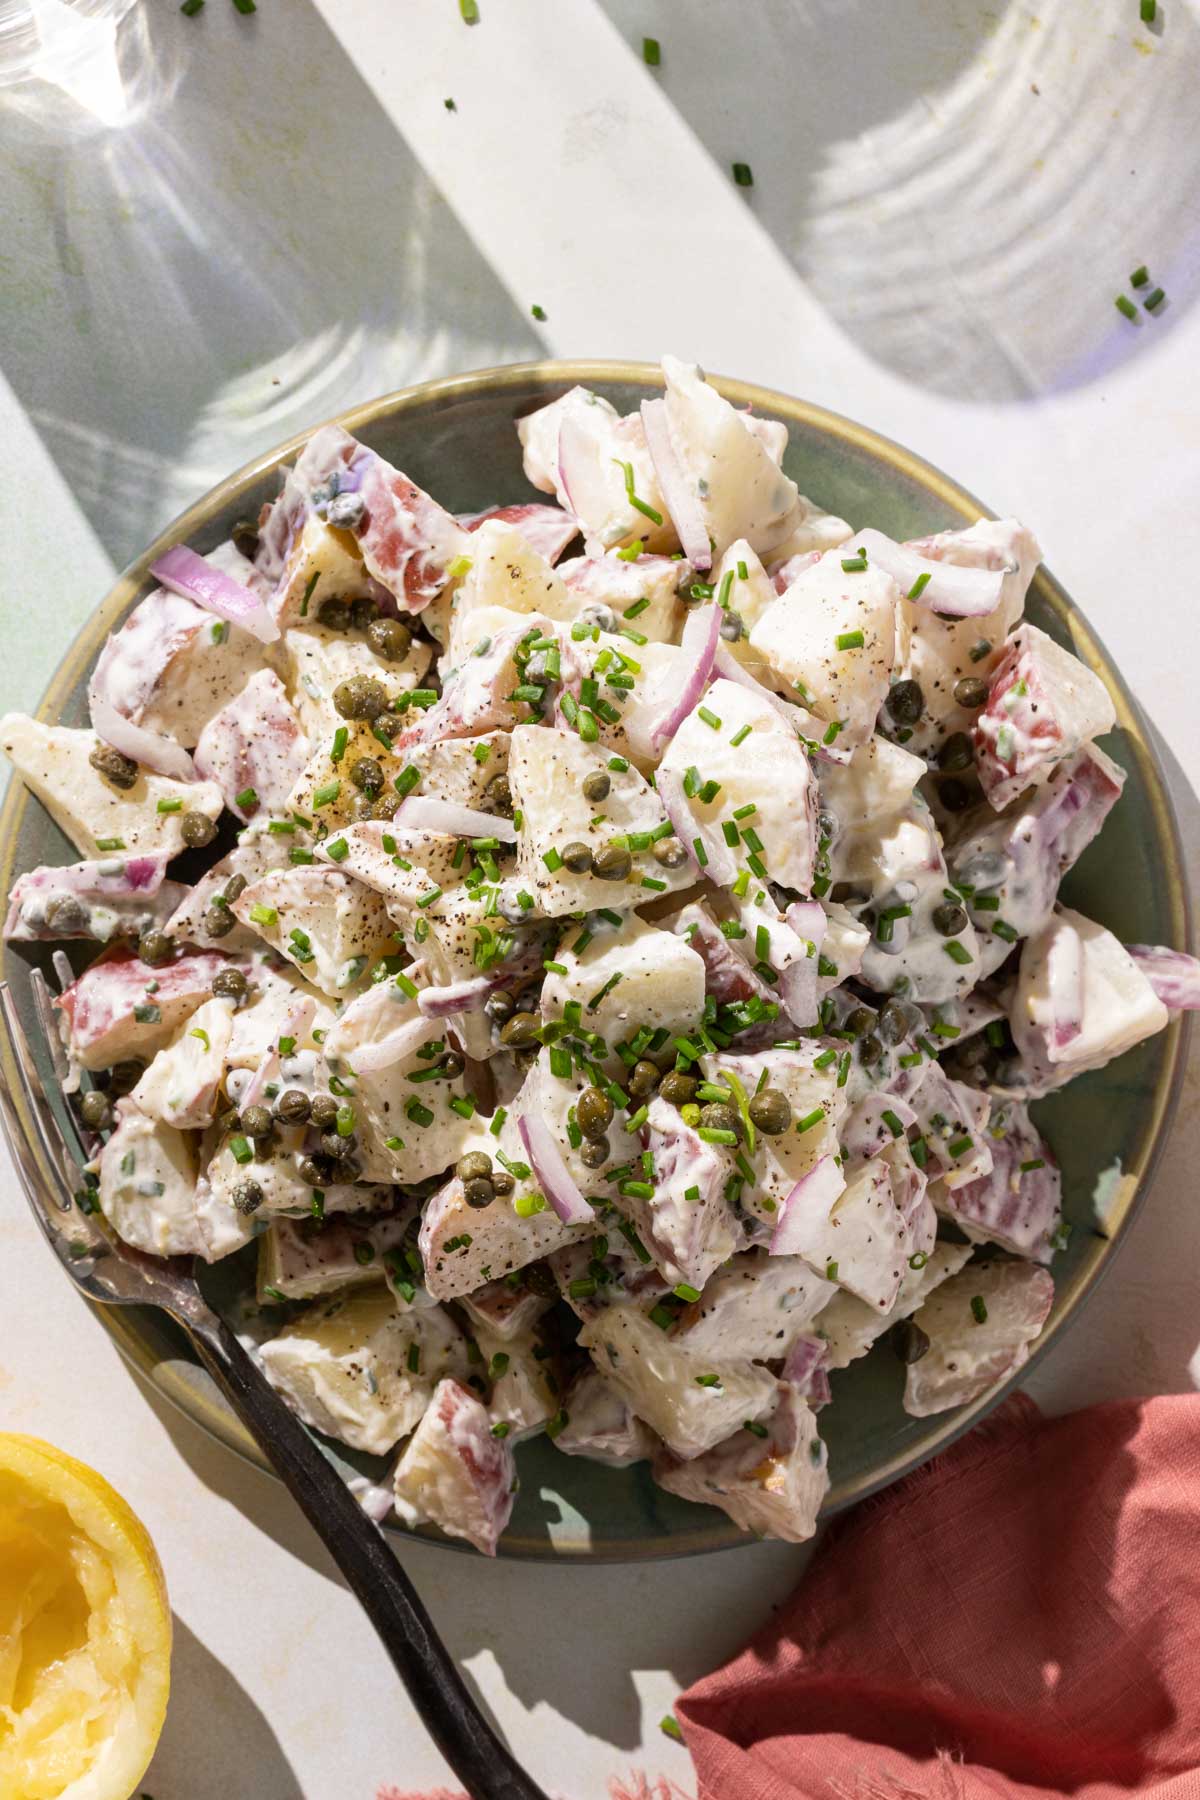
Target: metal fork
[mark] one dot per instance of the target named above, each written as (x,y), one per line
(113,1274)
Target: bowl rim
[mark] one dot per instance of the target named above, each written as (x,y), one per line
(209,1411)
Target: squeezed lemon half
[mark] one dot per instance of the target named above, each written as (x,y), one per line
(85,1631)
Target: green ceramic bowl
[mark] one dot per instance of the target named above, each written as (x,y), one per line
(456,438)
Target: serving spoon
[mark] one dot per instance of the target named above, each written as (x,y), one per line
(113,1274)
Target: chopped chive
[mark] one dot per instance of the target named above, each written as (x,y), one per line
(170,806)
(297,857)
(190,8)
(893,1123)
(264,915)
(429,898)
(979,1309)
(739,737)
(1125,306)
(686,1292)
(849,640)
(339,850)
(1140,276)
(710,718)
(325,795)
(341,738)
(854,565)
(709,1134)
(407,779)
(823,1061)
(832,731)
(239,1149)
(1148,10)
(539,312)
(960,1145)
(743,175)
(469,10)
(110,843)
(246,799)
(652,57)
(957,952)
(810,1119)
(919,585)
(1035,1162)
(552,859)
(701,852)
(1154,300)
(1002,929)
(281,827)
(635,611)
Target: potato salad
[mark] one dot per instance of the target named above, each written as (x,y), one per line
(592,958)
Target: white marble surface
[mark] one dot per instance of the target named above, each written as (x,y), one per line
(275,217)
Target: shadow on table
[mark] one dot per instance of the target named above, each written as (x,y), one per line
(215,1740)
(254,239)
(566,1638)
(965,185)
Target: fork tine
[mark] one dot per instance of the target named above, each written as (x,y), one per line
(48,1020)
(62,1162)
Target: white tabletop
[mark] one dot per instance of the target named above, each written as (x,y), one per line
(245,224)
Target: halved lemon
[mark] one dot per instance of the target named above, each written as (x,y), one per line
(85,1631)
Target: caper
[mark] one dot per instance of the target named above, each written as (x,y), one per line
(860,1020)
(385,806)
(155,947)
(452,1064)
(338,1147)
(363,611)
(197,830)
(218,922)
(971,692)
(593,1112)
(669,852)
(643,1080)
(949,918)
(389,639)
(245,538)
(230,984)
(360,697)
(502,1181)
(596,786)
(521,1031)
(96,1110)
(956,753)
(66,915)
(247,1197)
(954,795)
(611,863)
(497,795)
(539,1279)
(906,702)
(677,1088)
(293,1107)
(717,1117)
(594,1152)
(909,1341)
(732,627)
(892,1023)
(317,1171)
(577,857)
(388,725)
(827,824)
(498,1006)
(367,773)
(323,1110)
(124,1076)
(120,770)
(770,1112)
(478,1193)
(334,615)
(234,888)
(256,1121)
(871,1048)
(229,1120)
(476,1165)
(361,807)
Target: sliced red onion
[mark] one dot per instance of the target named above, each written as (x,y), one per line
(951,588)
(161,754)
(866,1132)
(807,1208)
(296,1022)
(720,867)
(458,997)
(807,919)
(392,1048)
(701,635)
(687,515)
(553,1175)
(1174,976)
(181,570)
(419,814)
